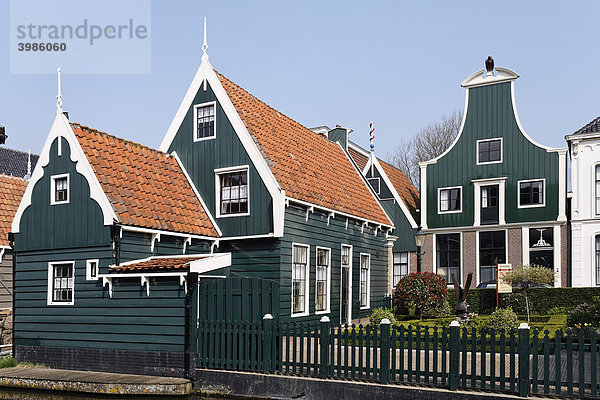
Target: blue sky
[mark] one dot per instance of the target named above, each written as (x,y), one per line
(398,63)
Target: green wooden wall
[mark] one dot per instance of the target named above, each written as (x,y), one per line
(316,232)
(490,115)
(405,233)
(202,158)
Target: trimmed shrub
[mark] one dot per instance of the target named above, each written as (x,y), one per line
(541,300)
(502,318)
(585,314)
(439,310)
(559,311)
(380,313)
(422,290)
(8,362)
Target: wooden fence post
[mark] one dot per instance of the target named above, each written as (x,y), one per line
(324,342)
(454,354)
(384,374)
(267,345)
(523,348)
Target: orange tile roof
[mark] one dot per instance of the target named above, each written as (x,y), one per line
(11,192)
(145,187)
(306,165)
(405,189)
(157,265)
(360,159)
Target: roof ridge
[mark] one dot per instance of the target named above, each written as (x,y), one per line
(13,177)
(19,151)
(92,130)
(274,109)
(587,126)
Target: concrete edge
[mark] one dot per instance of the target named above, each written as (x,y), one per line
(100,388)
(277,387)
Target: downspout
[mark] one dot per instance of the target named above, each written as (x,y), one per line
(11,241)
(192,282)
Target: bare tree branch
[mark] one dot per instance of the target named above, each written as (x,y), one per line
(429,142)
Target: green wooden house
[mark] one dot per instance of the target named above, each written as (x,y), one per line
(110,234)
(495,195)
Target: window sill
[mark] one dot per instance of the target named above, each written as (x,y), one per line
(204,138)
(233,215)
(304,314)
(449,212)
(322,312)
(60,303)
(532,206)
(365,307)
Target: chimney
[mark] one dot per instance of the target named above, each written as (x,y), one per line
(3,135)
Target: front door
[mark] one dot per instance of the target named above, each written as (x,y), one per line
(489,204)
(346,286)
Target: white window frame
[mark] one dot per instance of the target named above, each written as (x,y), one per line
(306,282)
(228,170)
(477,184)
(460,249)
(348,317)
(53,180)
(368,305)
(327,309)
(439,200)
(477,262)
(490,140)
(596,210)
(88,269)
(378,184)
(50,299)
(195,121)
(543,204)
(407,265)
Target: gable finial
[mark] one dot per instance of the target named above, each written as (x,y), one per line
(28,165)
(59,95)
(204,45)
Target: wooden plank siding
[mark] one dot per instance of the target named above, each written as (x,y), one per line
(315,232)
(6,275)
(490,115)
(203,157)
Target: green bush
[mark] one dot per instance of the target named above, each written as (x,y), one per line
(380,313)
(559,310)
(422,290)
(586,314)
(438,310)
(541,300)
(502,318)
(7,362)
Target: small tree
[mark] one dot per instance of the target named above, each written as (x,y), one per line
(527,276)
(422,290)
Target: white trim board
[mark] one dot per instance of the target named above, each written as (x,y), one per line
(62,129)
(388,182)
(206,73)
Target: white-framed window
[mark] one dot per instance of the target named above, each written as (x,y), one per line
(91,270)
(59,189)
(597,254)
(61,283)
(375,184)
(300,268)
(346,284)
(365,280)
(597,184)
(447,248)
(489,151)
(400,267)
(323,274)
(532,193)
(450,200)
(205,121)
(232,191)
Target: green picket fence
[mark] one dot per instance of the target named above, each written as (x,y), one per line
(517,361)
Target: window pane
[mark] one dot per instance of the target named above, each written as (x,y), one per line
(205,122)
(448,255)
(234,193)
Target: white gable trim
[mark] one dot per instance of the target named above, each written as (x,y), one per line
(479,79)
(388,182)
(207,73)
(210,217)
(62,129)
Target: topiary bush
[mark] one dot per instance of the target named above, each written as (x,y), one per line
(380,313)
(559,310)
(422,290)
(439,310)
(502,318)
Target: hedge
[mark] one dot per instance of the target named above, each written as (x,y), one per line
(541,300)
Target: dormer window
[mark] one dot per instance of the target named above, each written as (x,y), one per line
(59,189)
(489,151)
(375,183)
(204,121)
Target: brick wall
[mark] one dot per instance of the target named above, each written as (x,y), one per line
(428,254)
(469,256)
(515,247)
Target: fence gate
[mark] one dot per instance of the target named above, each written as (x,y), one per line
(231,331)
